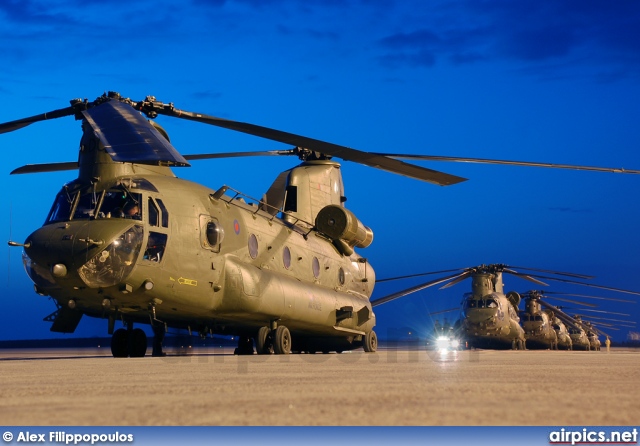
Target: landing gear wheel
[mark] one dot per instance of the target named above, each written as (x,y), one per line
(514,344)
(370,342)
(245,346)
(264,341)
(120,343)
(282,341)
(138,343)
(521,344)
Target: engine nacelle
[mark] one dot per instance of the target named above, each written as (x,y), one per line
(339,223)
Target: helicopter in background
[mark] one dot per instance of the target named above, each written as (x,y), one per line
(490,317)
(543,329)
(128,241)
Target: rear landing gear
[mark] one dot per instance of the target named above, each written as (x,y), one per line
(370,342)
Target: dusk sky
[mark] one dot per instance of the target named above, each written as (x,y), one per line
(548,81)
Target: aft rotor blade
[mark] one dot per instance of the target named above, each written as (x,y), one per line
(411,290)
(586,296)
(20,123)
(562,273)
(327,148)
(507,162)
(418,275)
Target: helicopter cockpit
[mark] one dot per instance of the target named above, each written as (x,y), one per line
(474,302)
(119,244)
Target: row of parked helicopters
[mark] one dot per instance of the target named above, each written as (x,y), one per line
(491,318)
(127,241)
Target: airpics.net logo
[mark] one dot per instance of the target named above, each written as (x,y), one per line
(586,436)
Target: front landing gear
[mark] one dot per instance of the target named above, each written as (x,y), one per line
(130,342)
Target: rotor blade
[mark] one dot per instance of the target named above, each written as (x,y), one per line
(418,275)
(46,167)
(612,320)
(460,278)
(564,317)
(573,301)
(205,156)
(602,311)
(128,137)
(513,163)
(525,276)
(413,289)
(444,311)
(345,153)
(579,276)
(20,123)
(586,296)
(620,290)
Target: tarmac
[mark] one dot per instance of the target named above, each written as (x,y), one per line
(392,387)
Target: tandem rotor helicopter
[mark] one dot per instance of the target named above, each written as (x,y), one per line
(491,318)
(127,240)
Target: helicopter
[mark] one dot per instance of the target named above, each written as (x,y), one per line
(544,329)
(489,315)
(129,241)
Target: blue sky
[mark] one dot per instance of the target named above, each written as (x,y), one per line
(539,81)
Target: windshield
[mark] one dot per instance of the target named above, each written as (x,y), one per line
(88,204)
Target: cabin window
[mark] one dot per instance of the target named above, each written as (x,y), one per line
(153,213)
(215,234)
(253,246)
(291,200)
(341,278)
(492,303)
(286,257)
(156,244)
(315,264)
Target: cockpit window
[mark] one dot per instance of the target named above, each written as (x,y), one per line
(120,203)
(87,205)
(61,209)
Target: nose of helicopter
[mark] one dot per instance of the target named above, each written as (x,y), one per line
(98,253)
(481,315)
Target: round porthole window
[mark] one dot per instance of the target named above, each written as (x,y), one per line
(286,257)
(316,267)
(253,246)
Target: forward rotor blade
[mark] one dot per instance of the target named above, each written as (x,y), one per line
(506,162)
(602,311)
(573,301)
(579,276)
(45,167)
(418,275)
(460,278)
(20,123)
(444,311)
(205,156)
(588,296)
(564,317)
(345,153)
(620,290)
(525,276)
(632,323)
(413,289)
